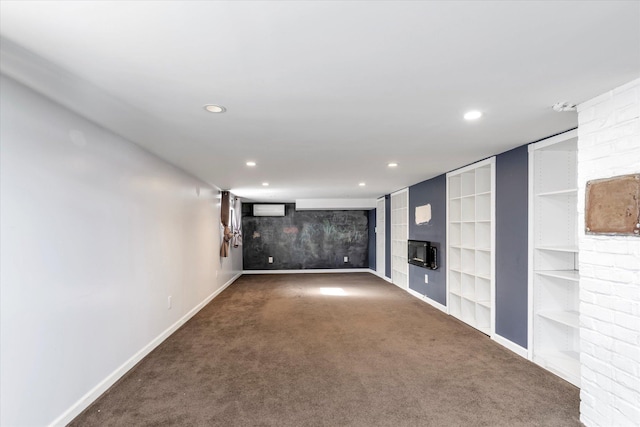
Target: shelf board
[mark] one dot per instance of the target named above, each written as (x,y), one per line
(483,276)
(571,275)
(568,318)
(565,363)
(483,192)
(566,192)
(564,248)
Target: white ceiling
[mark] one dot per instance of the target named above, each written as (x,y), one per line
(322,95)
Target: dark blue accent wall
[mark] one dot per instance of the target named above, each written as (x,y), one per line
(433,192)
(387,236)
(511,245)
(372,239)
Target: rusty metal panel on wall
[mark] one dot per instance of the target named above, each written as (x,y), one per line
(613,206)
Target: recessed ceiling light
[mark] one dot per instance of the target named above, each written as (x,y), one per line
(392,165)
(251,164)
(212,108)
(265,184)
(472,115)
(362,184)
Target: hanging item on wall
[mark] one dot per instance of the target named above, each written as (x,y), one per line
(237,223)
(423,214)
(227,234)
(612,206)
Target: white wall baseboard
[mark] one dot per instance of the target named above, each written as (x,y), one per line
(382,276)
(428,300)
(315,270)
(104,385)
(520,351)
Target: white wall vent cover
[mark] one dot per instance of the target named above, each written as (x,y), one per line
(268,210)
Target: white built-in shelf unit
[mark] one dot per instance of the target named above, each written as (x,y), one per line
(471,243)
(399,236)
(553,256)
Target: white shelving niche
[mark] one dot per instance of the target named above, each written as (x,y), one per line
(470,245)
(399,237)
(554,327)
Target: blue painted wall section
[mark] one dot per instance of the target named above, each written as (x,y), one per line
(433,192)
(512,245)
(372,239)
(387,236)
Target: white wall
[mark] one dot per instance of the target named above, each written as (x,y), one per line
(609,145)
(96,234)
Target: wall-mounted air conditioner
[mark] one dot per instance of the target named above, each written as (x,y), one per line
(268,210)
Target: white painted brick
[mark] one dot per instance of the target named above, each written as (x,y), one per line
(585,117)
(589,298)
(597,366)
(624,364)
(631,413)
(609,145)
(605,301)
(628,144)
(625,306)
(595,286)
(626,291)
(627,321)
(588,374)
(604,355)
(627,380)
(604,328)
(633,85)
(597,258)
(622,276)
(605,97)
(597,312)
(627,335)
(626,394)
(630,262)
(627,114)
(630,351)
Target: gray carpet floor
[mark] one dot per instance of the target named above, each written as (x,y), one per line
(272,350)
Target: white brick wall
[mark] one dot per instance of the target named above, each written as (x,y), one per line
(609,145)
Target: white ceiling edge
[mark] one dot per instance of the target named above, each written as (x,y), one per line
(335,204)
(71,92)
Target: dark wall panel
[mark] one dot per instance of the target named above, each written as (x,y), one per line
(305,239)
(372,239)
(434,193)
(512,245)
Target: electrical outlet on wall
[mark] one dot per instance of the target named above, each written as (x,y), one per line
(346,259)
(169,303)
(270,260)
(426,278)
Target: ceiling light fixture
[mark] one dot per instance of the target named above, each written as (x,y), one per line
(251,164)
(212,108)
(392,165)
(362,184)
(562,106)
(265,184)
(472,115)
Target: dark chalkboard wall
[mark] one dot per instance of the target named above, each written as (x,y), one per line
(305,239)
